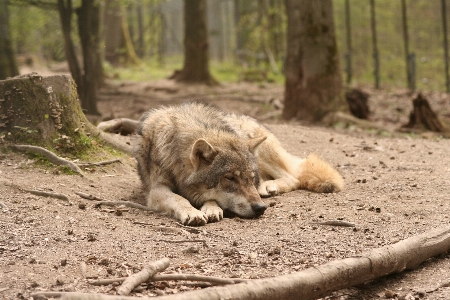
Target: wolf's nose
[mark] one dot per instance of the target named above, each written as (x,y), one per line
(259,208)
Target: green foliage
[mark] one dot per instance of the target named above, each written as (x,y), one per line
(37,31)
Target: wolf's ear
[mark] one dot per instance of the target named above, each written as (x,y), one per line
(254,143)
(202,154)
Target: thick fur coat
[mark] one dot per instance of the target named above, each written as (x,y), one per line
(196,161)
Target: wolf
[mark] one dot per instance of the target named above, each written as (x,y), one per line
(197,161)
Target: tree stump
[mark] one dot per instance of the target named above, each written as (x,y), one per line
(423,117)
(43,111)
(357,102)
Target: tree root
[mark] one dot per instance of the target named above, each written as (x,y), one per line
(145,274)
(123,126)
(53,158)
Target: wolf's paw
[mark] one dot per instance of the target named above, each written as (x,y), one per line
(212,211)
(268,188)
(193,217)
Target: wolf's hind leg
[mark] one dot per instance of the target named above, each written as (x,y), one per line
(161,198)
(278,186)
(212,211)
(318,176)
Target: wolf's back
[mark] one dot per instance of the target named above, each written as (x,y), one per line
(166,136)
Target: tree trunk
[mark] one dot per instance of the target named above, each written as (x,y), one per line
(196,57)
(8,66)
(65,15)
(43,111)
(112,33)
(313,79)
(88,28)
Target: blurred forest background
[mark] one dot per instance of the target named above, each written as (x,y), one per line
(246,37)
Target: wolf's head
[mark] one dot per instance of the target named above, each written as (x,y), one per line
(226,172)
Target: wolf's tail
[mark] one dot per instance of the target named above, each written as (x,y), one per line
(319,176)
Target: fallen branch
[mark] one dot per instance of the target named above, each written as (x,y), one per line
(145,274)
(53,158)
(101,163)
(320,281)
(112,203)
(335,223)
(82,296)
(47,194)
(174,277)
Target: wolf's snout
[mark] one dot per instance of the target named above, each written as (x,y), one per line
(259,208)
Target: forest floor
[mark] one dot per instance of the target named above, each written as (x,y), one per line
(397,186)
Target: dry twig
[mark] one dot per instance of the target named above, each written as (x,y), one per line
(145,274)
(335,223)
(167,277)
(184,241)
(47,194)
(101,163)
(112,203)
(125,203)
(53,158)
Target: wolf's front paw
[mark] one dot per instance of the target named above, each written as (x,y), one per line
(193,217)
(268,188)
(212,211)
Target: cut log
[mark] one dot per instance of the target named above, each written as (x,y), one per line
(423,117)
(45,111)
(357,102)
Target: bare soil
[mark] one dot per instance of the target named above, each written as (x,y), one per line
(397,186)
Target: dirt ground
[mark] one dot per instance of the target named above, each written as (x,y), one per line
(397,186)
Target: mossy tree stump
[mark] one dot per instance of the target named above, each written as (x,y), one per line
(43,111)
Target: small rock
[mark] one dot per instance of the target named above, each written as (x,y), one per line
(63,262)
(118,212)
(104,262)
(274,251)
(388,294)
(192,249)
(82,206)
